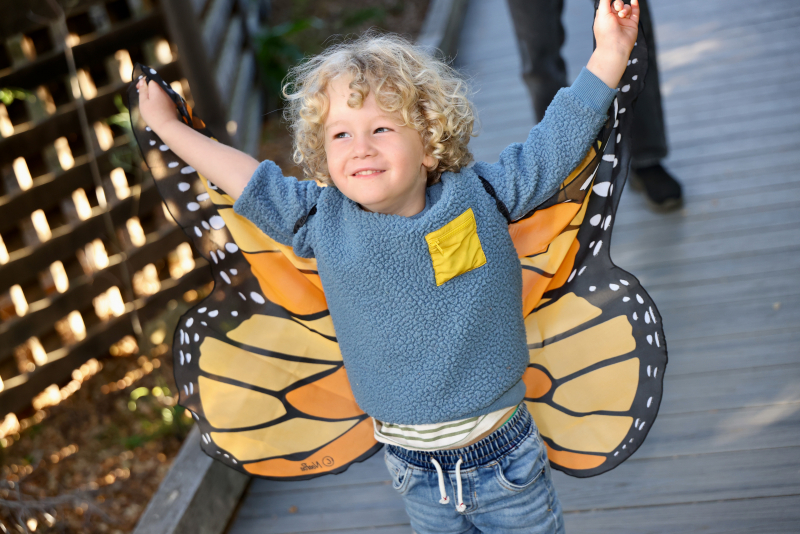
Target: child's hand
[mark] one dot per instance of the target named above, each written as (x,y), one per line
(616,25)
(615,29)
(156,107)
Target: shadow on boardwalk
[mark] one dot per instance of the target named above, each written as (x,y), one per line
(724,455)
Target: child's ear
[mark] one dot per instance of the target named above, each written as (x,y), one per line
(430,162)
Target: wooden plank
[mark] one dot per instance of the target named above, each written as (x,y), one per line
(774,515)
(771,287)
(241,91)
(730,247)
(398,529)
(44,313)
(753,74)
(342,521)
(253,125)
(710,226)
(195,63)
(713,203)
(214,24)
(19,390)
(751,428)
(716,170)
(711,354)
(96,46)
(726,389)
(686,479)
(49,189)
(732,97)
(26,263)
(369,472)
(710,269)
(764,124)
(320,501)
(750,316)
(227,64)
(756,106)
(31,137)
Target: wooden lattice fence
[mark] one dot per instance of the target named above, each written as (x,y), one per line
(87,252)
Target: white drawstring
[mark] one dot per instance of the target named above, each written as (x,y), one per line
(460,507)
(445,499)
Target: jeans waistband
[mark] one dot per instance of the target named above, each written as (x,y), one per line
(490,448)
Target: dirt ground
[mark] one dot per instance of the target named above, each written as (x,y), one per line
(92,453)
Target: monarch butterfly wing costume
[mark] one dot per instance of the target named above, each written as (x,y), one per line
(258,365)
(256,362)
(596,344)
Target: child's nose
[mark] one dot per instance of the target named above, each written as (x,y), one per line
(363,146)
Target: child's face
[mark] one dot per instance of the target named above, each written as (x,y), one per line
(372,159)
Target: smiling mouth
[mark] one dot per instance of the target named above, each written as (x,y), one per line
(364,174)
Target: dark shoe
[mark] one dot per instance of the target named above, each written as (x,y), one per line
(663,192)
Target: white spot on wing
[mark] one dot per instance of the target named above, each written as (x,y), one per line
(601,189)
(217,222)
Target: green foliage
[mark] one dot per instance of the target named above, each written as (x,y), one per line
(127,157)
(282,46)
(278,49)
(157,416)
(357,17)
(9,94)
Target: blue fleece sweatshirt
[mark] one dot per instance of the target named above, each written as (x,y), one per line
(416,351)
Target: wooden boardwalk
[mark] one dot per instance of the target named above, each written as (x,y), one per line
(724,454)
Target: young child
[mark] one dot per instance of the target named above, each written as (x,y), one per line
(421,276)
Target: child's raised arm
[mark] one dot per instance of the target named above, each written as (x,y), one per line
(615,28)
(527,173)
(226,167)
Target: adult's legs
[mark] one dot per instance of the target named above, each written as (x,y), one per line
(648,136)
(540,34)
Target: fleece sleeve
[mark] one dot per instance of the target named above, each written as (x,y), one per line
(528,173)
(275,203)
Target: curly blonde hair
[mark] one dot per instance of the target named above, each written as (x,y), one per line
(431,97)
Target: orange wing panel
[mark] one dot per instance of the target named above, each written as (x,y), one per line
(532,235)
(341,452)
(574,460)
(537,383)
(329,397)
(284,285)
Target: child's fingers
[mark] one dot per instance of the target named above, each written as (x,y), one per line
(635,10)
(141,85)
(604,7)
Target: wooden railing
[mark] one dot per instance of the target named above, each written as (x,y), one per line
(87,252)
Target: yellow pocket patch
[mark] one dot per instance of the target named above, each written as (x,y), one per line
(455,248)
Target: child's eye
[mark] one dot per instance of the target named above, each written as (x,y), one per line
(340,135)
(382,128)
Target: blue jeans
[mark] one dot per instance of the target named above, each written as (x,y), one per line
(505,479)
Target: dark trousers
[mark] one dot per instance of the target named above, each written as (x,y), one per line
(540,35)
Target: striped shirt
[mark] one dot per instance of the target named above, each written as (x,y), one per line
(437,436)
